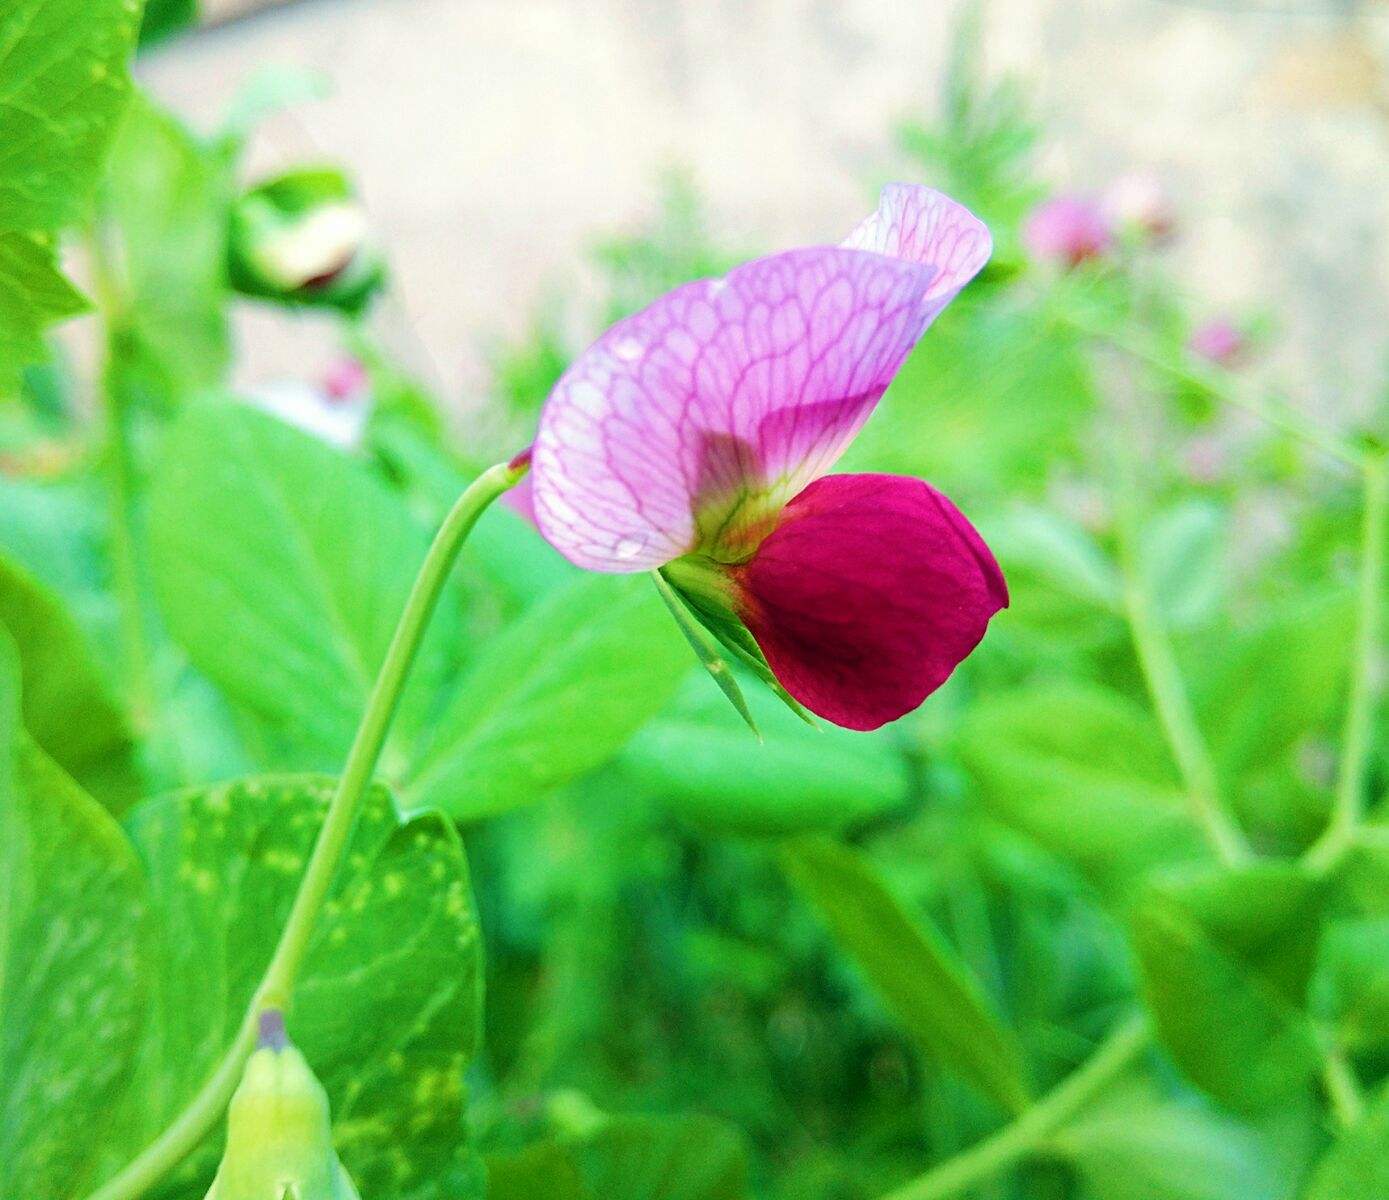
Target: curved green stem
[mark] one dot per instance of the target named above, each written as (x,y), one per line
(1030,1132)
(277,985)
(1173,707)
(1222,384)
(1365,670)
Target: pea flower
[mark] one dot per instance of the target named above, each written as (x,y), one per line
(694,438)
(1068,230)
(279,1140)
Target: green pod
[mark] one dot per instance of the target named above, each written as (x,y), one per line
(279,1135)
(302,239)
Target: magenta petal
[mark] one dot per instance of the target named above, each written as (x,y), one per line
(868,595)
(925,226)
(750,385)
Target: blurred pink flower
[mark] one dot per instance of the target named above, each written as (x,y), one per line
(694,436)
(1067,230)
(1219,341)
(345,378)
(1141,203)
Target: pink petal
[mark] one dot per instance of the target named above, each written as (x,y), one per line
(926,226)
(867,596)
(750,385)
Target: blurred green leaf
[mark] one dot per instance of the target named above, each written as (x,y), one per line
(909,964)
(1138,1145)
(1085,773)
(1352,980)
(68,707)
(699,761)
(990,401)
(1356,1167)
(72,968)
(554,695)
(627,1158)
(1225,955)
(163,18)
(1258,690)
(33,295)
(164,210)
(282,567)
(1182,556)
(388,1002)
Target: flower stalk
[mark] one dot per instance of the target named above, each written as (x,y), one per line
(277,985)
(1366,667)
(1034,1127)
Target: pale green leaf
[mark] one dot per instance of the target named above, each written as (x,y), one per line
(72,968)
(388,1003)
(553,696)
(699,762)
(909,964)
(282,567)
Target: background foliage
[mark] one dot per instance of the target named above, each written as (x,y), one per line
(714,968)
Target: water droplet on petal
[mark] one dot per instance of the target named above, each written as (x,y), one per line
(629,349)
(628,548)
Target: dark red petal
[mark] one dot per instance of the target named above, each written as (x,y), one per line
(867,595)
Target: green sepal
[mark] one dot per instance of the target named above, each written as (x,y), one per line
(705,649)
(279,1140)
(733,635)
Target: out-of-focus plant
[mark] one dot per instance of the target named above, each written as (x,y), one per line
(1105,918)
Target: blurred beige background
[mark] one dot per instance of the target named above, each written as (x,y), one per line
(494,139)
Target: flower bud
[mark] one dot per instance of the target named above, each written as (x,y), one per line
(1067,230)
(279,1141)
(302,239)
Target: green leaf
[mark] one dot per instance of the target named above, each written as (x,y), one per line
(282,567)
(63,83)
(556,694)
(1261,689)
(909,964)
(1356,1167)
(628,1158)
(71,967)
(1082,771)
(68,708)
(33,295)
(164,206)
(1352,982)
(1225,955)
(699,762)
(1182,555)
(387,1007)
(62,87)
(1137,1145)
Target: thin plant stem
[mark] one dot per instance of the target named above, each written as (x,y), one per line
(1227,388)
(1173,707)
(115,462)
(277,985)
(1035,1126)
(125,571)
(1365,680)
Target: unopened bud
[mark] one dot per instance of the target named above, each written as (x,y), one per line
(302,238)
(279,1138)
